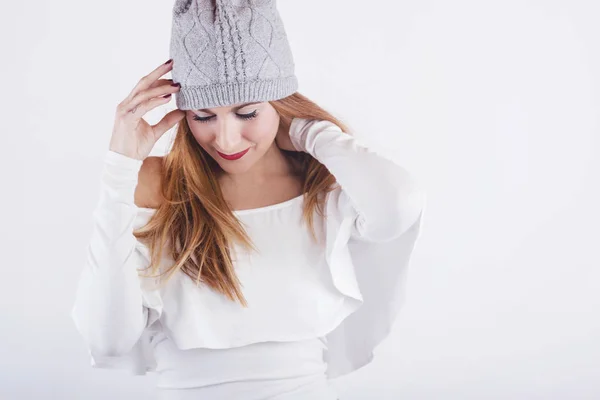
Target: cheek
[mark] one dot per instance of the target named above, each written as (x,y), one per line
(264,130)
(257,134)
(201,135)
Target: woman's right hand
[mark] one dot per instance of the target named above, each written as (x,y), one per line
(132,136)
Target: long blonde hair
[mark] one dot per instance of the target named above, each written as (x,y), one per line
(196,223)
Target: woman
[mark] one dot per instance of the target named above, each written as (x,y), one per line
(266,252)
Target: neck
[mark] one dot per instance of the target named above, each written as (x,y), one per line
(272,165)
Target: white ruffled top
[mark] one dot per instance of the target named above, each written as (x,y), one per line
(347,290)
(287,284)
(273,346)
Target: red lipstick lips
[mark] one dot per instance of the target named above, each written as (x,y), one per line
(235,156)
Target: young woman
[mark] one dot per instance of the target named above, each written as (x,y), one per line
(266,253)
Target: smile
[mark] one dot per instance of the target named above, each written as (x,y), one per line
(234,156)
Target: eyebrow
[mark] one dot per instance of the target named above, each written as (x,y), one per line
(234,108)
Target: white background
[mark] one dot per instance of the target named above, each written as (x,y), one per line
(493,105)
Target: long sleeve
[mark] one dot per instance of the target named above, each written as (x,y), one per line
(387,199)
(108,309)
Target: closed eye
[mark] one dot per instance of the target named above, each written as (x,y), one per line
(245,117)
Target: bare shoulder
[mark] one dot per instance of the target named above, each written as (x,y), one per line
(148,190)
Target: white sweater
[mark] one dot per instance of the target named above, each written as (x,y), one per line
(374,221)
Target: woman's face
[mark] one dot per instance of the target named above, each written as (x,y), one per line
(234,129)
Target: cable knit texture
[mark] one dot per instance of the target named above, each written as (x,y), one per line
(228,52)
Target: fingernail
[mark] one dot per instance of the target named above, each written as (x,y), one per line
(170,61)
(176,84)
(167,95)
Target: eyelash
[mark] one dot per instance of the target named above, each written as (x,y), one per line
(245,117)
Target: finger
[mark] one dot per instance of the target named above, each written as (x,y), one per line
(149,94)
(142,108)
(149,79)
(167,122)
(161,82)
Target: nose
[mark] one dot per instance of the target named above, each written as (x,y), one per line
(228,140)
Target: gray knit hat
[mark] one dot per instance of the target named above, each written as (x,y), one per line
(229,51)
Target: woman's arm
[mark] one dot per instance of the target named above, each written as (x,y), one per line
(108,310)
(386,197)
